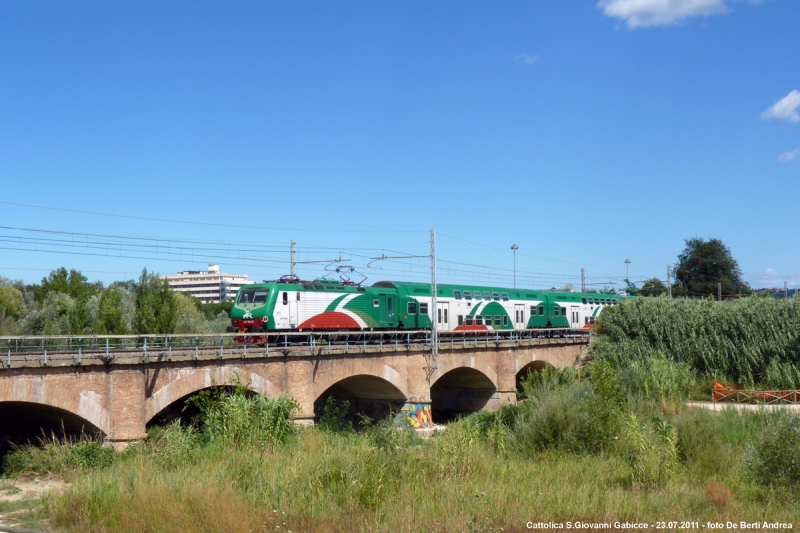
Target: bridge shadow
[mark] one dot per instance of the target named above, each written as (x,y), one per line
(460,392)
(367,395)
(186,410)
(530,368)
(26,423)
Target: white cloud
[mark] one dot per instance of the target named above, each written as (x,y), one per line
(788,156)
(659,12)
(771,278)
(527,58)
(785,108)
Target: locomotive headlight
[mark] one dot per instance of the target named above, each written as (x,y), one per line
(265,319)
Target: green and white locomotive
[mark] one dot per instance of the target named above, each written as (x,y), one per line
(326,305)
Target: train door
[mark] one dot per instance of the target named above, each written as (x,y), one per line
(388,310)
(575,319)
(443,316)
(294,304)
(519,316)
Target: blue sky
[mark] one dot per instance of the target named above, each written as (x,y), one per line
(587,133)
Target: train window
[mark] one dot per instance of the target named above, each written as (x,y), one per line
(541,310)
(457,295)
(591,321)
(586,319)
(487,296)
(564,311)
(412,308)
(467,295)
(497,320)
(423,308)
(246,297)
(439,316)
(469,320)
(505,296)
(479,320)
(556,310)
(376,303)
(583,300)
(460,320)
(533,310)
(389,307)
(298,296)
(260,297)
(505,320)
(285,298)
(477,295)
(496,296)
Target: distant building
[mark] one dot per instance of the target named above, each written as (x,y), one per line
(209,286)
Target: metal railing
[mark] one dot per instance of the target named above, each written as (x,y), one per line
(107,347)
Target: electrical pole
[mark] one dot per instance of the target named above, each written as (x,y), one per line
(434,312)
(291,258)
(669,281)
(627,264)
(719,292)
(785,289)
(583,280)
(515,248)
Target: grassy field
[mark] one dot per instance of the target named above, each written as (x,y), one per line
(610,442)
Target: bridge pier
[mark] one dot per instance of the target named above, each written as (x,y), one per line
(126,387)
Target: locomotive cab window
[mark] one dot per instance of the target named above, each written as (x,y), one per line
(457,295)
(285,298)
(298,296)
(412,308)
(505,296)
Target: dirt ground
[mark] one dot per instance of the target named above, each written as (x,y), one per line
(18,497)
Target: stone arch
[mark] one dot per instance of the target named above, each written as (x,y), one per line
(341,370)
(446,364)
(85,405)
(533,366)
(203,378)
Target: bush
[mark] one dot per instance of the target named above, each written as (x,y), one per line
(334,418)
(774,459)
(659,378)
(241,420)
(652,450)
(57,456)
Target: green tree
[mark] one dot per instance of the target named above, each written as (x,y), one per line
(12,304)
(652,287)
(154,305)
(72,283)
(705,263)
(111,312)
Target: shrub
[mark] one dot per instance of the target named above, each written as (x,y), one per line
(652,450)
(774,459)
(240,420)
(334,418)
(659,378)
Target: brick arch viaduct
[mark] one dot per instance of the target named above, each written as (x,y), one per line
(120,397)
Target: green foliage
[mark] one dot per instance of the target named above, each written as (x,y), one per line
(240,420)
(154,305)
(12,305)
(72,283)
(750,340)
(659,378)
(652,450)
(774,459)
(705,263)
(111,319)
(549,378)
(652,287)
(334,418)
(57,456)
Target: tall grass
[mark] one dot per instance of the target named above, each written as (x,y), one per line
(753,340)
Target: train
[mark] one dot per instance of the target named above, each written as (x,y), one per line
(330,305)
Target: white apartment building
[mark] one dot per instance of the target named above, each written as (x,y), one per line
(211,286)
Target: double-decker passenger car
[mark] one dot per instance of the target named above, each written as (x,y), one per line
(325,305)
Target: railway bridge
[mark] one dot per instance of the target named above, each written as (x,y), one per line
(117,385)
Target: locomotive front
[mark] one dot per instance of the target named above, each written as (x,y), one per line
(252,309)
